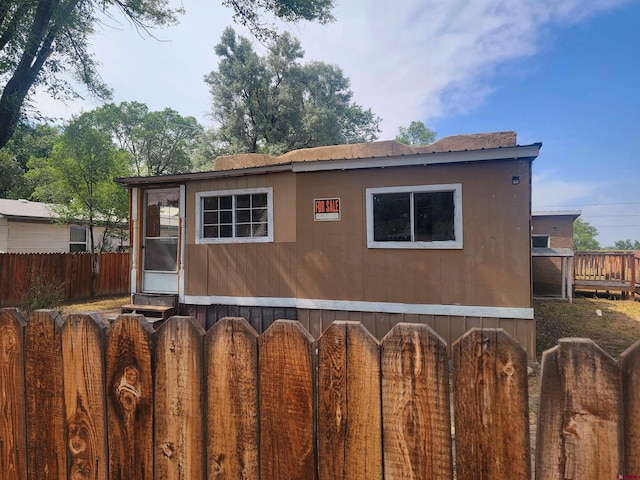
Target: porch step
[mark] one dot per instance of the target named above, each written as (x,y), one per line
(153,306)
(159,312)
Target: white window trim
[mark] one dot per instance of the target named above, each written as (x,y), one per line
(456,188)
(548,237)
(85,243)
(200,239)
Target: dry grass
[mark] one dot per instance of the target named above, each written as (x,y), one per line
(615,329)
(102,305)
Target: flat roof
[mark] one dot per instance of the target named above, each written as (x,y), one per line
(558,213)
(495,146)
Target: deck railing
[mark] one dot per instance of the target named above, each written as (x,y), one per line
(607,269)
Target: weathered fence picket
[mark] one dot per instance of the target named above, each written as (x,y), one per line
(82,399)
(179,405)
(349,412)
(84,396)
(231,355)
(491,406)
(416,412)
(287,446)
(630,367)
(129,398)
(46,429)
(580,417)
(12,396)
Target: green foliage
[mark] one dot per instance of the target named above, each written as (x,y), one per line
(584,236)
(47,42)
(274,104)
(416,134)
(627,244)
(249,13)
(78,178)
(27,141)
(158,143)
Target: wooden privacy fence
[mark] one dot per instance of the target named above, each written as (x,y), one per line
(20,272)
(83,400)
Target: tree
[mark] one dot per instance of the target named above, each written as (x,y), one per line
(249,13)
(416,134)
(626,244)
(584,236)
(78,179)
(28,141)
(274,103)
(158,143)
(41,41)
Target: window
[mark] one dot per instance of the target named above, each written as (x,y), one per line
(161,225)
(426,216)
(540,241)
(235,216)
(77,239)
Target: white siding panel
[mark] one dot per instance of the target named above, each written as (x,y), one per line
(4,235)
(26,237)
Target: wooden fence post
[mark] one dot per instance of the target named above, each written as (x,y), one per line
(287,445)
(630,366)
(13,441)
(46,427)
(579,424)
(130,398)
(415,404)
(84,395)
(349,405)
(231,353)
(179,438)
(491,406)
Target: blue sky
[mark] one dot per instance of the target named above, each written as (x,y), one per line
(564,73)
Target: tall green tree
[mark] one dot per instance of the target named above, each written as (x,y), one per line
(275,103)
(417,133)
(42,42)
(158,143)
(78,179)
(28,141)
(584,236)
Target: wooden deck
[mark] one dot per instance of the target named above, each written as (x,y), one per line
(611,272)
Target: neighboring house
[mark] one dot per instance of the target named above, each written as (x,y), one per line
(552,252)
(379,232)
(30,227)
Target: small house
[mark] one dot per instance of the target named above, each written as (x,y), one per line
(378,232)
(31,227)
(552,252)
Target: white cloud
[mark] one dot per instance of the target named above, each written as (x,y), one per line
(549,192)
(407,60)
(413,59)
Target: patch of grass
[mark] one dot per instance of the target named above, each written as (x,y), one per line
(616,329)
(97,305)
